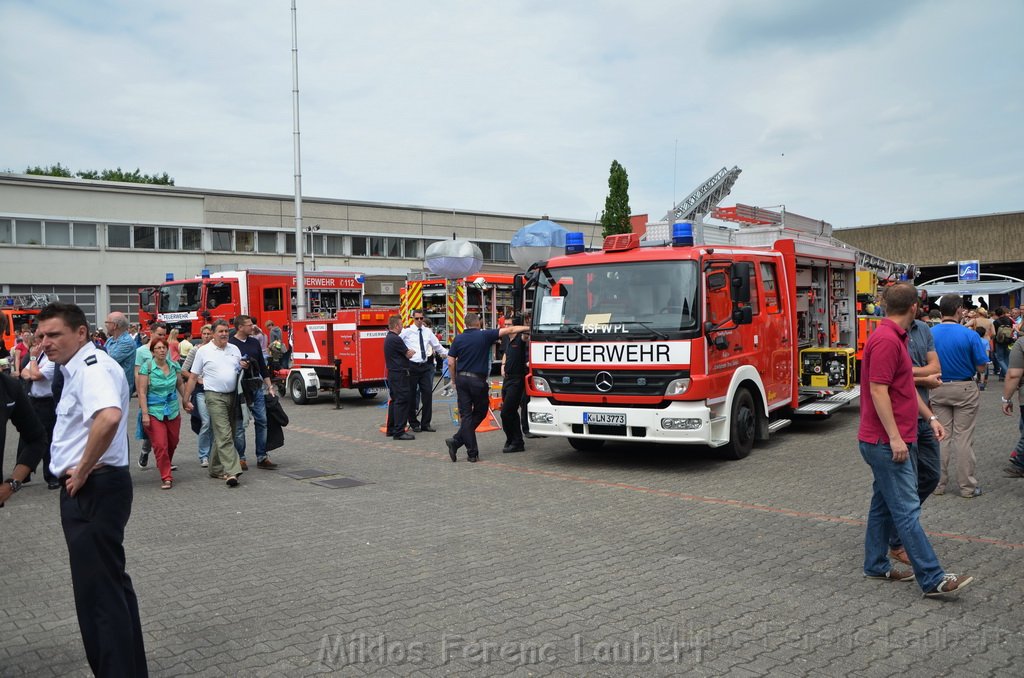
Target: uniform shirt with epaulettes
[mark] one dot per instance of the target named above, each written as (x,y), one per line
(93,381)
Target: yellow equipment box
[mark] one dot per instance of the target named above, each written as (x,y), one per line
(827,367)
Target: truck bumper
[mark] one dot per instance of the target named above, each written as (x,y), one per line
(679,423)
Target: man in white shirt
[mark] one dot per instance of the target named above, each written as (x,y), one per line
(424,344)
(39,377)
(89,454)
(219,363)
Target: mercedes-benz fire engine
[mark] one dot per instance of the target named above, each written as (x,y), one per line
(676,342)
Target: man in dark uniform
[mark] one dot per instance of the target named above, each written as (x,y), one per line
(89,455)
(16,407)
(469,361)
(515,356)
(396,359)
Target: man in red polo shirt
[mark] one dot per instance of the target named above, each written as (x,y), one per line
(888,438)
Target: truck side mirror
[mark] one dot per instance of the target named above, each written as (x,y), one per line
(743,316)
(518,285)
(741,282)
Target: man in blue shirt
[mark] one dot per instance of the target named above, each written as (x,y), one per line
(469,362)
(955,402)
(120,346)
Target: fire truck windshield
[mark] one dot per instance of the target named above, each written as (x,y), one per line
(638,299)
(179,297)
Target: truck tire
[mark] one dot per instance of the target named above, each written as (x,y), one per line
(368,393)
(297,389)
(586,444)
(742,426)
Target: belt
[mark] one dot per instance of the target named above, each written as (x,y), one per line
(471,374)
(951,381)
(96,471)
(49,397)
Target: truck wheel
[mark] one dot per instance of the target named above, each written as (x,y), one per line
(368,393)
(586,444)
(297,389)
(742,426)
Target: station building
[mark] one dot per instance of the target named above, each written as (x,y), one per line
(95,243)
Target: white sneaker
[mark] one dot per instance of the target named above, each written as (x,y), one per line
(205,463)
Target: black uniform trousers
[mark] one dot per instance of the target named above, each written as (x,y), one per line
(108,611)
(46,411)
(421,386)
(513,390)
(472,395)
(398,407)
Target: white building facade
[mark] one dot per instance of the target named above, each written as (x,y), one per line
(95,243)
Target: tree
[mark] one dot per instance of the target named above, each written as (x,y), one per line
(136,177)
(615,217)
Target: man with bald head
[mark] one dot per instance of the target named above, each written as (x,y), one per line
(120,346)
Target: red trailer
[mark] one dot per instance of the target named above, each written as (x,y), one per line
(346,351)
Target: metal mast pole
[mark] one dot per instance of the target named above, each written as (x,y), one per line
(300,240)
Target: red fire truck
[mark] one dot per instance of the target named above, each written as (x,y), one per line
(446,302)
(672,342)
(263,294)
(18,310)
(346,351)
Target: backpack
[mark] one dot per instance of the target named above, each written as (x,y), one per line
(1004,335)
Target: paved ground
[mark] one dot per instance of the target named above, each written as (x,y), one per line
(632,561)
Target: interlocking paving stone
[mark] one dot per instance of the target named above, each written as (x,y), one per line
(636,560)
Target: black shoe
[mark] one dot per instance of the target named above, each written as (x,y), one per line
(428,429)
(475,458)
(532,435)
(453,447)
(143,459)
(53,485)
(405,436)
(508,449)
(416,429)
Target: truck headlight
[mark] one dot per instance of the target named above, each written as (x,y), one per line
(541,384)
(677,387)
(680,424)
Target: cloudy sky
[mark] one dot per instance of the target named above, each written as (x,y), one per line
(854,112)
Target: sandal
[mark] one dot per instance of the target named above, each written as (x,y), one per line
(165,485)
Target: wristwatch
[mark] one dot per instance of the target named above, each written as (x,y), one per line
(15,484)
(933,418)
(1005,400)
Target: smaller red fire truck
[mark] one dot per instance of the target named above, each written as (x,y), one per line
(263,294)
(446,302)
(346,351)
(20,309)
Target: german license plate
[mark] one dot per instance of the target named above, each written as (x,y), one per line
(604,418)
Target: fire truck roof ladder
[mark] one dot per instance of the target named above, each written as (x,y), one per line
(705,196)
(28,300)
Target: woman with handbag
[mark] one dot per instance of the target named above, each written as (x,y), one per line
(161,392)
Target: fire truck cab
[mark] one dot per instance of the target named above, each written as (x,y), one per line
(19,310)
(263,294)
(682,343)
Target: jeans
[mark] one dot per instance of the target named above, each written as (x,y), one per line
(895,505)
(1002,359)
(259,416)
(206,431)
(925,457)
(1017,456)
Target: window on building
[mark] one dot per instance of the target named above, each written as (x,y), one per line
(394,248)
(28,232)
(191,239)
(315,244)
(58,234)
(221,240)
(500,252)
(245,241)
(6,232)
(266,242)
(359,246)
(378,246)
(335,245)
(145,238)
(84,235)
(168,238)
(412,249)
(289,243)
(119,235)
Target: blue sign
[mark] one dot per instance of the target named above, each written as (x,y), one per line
(968,271)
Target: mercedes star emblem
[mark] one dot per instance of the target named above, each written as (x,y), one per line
(604,382)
